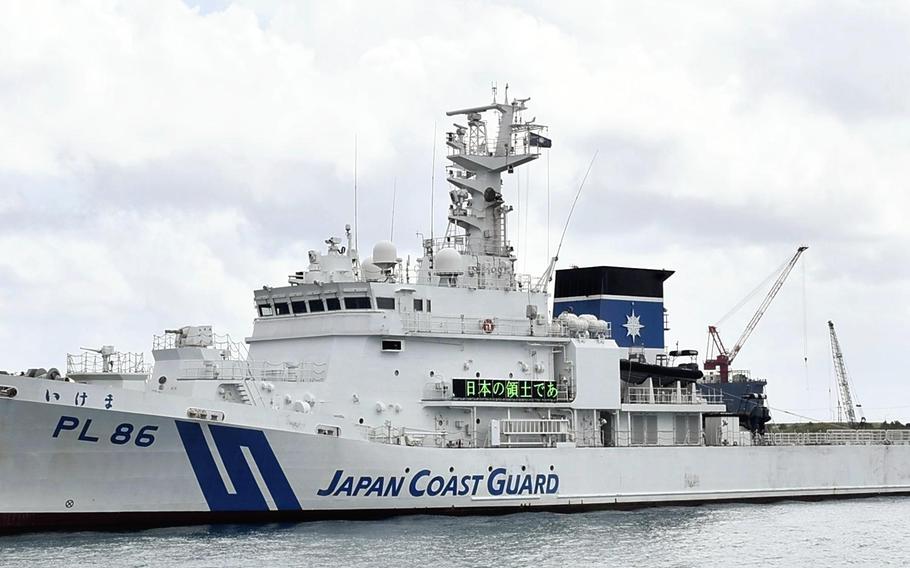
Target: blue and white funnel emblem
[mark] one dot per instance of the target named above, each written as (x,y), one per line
(633,326)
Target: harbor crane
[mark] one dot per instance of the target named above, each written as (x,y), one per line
(724,358)
(845,405)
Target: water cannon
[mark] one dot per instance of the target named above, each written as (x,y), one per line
(106,352)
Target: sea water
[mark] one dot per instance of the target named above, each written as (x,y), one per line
(859,532)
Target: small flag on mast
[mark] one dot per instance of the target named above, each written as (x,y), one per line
(540,141)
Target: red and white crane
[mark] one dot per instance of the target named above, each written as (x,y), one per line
(724,358)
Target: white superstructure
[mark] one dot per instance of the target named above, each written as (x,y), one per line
(369,387)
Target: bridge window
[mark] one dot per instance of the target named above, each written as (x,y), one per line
(316,305)
(418,305)
(265,310)
(333,304)
(299,307)
(362,303)
(385,303)
(282,309)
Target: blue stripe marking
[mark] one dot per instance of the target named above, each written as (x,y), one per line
(228,441)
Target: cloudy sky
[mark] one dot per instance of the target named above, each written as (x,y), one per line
(160,159)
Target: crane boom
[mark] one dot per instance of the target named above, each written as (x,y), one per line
(765,303)
(725,358)
(843,383)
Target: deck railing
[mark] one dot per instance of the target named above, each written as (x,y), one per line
(423,322)
(664,395)
(120,363)
(837,438)
(304,371)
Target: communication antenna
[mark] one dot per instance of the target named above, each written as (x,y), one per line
(394,193)
(356,232)
(545,278)
(548,204)
(518,211)
(432,187)
(527,210)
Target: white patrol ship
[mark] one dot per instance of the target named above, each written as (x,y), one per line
(370,389)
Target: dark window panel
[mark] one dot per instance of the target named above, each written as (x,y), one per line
(362,303)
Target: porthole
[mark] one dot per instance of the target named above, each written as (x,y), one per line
(477,374)
(523,468)
(478,420)
(361,420)
(452,469)
(552,468)
(490,468)
(432,373)
(162,380)
(408,470)
(396,372)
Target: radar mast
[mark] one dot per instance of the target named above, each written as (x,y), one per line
(480,152)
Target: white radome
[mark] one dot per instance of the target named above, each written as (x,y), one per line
(385,255)
(371,272)
(449,262)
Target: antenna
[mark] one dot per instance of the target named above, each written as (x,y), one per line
(548,204)
(356,232)
(518,210)
(394,193)
(432,187)
(527,210)
(549,271)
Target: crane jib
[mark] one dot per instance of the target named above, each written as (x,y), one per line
(724,357)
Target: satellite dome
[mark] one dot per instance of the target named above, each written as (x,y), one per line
(385,256)
(448,262)
(371,272)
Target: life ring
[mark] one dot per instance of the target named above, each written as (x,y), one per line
(487,326)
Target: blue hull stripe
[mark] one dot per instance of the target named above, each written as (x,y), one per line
(229,441)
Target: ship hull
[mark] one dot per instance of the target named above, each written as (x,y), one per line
(66,467)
